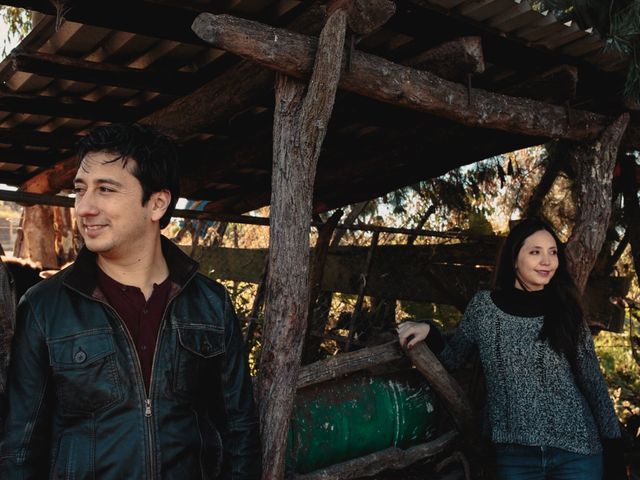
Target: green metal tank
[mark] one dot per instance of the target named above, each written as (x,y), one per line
(361,414)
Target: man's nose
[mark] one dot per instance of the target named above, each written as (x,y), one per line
(85,206)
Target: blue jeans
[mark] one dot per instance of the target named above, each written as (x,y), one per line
(522,462)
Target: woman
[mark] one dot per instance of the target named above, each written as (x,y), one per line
(548,408)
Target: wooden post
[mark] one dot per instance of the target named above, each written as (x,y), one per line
(7,321)
(631,180)
(593,165)
(315,322)
(300,125)
(38,237)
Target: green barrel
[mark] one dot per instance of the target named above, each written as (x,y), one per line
(348,418)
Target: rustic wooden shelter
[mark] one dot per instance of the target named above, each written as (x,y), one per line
(370,96)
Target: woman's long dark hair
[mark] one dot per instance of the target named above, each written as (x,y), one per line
(563,317)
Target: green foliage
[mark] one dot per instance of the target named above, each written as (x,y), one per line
(19,23)
(621,372)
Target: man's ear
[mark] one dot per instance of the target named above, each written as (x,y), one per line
(159,204)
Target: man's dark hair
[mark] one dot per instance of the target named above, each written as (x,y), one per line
(155,155)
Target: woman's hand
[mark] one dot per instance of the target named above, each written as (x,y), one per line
(410,333)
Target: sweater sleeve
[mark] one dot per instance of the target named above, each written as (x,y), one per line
(593,387)
(460,344)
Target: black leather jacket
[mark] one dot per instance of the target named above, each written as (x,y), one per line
(77,407)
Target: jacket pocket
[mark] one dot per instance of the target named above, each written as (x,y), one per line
(199,348)
(74,457)
(85,372)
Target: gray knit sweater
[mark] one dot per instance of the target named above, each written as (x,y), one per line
(533,398)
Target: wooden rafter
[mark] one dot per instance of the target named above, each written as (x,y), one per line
(60,67)
(37,138)
(102,110)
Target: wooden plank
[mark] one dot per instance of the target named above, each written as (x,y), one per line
(38,158)
(60,67)
(346,363)
(103,110)
(447,388)
(391,458)
(453,60)
(441,274)
(553,86)
(377,78)
(396,273)
(36,138)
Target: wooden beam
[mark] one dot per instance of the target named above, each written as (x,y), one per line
(38,158)
(229,93)
(454,60)
(60,67)
(144,18)
(447,388)
(300,124)
(443,274)
(101,110)
(38,139)
(7,321)
(346,363)
(388,459)
(375,77)
(553,86)
(232,91)
(367,16)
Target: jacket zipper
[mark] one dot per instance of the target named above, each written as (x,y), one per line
(148,410)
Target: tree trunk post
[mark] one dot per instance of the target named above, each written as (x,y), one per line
(300,125)
(632,208)
(593,165)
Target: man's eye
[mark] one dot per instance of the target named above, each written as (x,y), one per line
(106,189)
(77,190)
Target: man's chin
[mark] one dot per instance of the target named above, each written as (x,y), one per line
(95,246)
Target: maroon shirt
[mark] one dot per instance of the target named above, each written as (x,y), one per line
(141,317)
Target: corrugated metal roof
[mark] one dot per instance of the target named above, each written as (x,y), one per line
(515,19)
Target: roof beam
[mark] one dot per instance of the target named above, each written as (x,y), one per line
(102,110)
(60,67)
(371,76)
(36,138)
(21,156)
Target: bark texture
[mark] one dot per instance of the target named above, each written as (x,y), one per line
(299,128)
(593,165)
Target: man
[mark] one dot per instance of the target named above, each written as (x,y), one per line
(128,364)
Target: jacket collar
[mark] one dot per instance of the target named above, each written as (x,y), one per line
(83,274)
